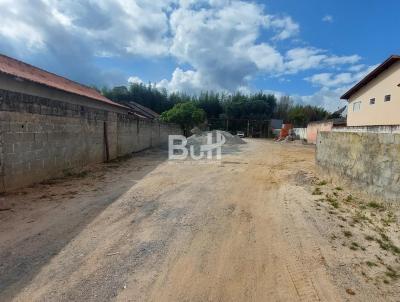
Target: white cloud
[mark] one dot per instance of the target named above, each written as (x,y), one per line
(265,57)
(330,80)
(184,81)
(135,80)
(341,60)
(299,59)
(343,79)
(222,44)
(325,97)
(328,19)
(118,27)
(332,86)
(286,26)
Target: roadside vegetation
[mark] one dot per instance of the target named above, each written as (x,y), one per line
(368,228)
(219,105)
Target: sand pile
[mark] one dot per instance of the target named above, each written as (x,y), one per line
(199,139)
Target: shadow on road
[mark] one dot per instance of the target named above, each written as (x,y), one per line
(43,219)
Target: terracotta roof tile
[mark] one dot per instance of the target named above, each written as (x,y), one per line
(28,72)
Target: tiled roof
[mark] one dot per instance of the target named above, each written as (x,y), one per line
(142,110)
(28,72)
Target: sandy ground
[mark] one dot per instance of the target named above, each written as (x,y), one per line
(257,226)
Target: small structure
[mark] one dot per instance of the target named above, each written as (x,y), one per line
(142,111)
(326,125)
(375,100)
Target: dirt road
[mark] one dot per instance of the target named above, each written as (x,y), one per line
(145,229)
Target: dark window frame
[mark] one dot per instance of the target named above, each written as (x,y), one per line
(372,101)
(388,98)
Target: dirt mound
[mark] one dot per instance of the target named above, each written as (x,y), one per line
(199,139)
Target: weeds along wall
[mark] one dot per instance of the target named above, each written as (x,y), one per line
(42,139)
(366,161)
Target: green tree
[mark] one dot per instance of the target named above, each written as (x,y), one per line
(300,115)
(257,106)
(186,114)
(283,107)
(210,102)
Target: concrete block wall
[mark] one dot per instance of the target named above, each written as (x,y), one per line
(369,162)
(42,139)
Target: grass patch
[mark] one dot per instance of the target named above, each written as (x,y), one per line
(334,203)
(375,205)
(371,264)
(369,237)
(321,183)
(317,191)
(391,273)
(354,246)
(389,219)
(347,234)
(338,189)
(349,198)
(359,216)
(386,244)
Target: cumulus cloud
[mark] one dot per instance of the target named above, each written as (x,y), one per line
(330,80)
(135,80)
(332,86)
(215,44)
(299,59)
(328,19)
(343,79)
(286,26)
(220,43)
(65,36)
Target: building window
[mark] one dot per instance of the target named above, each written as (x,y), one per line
(387,98)
(372,101)
(356,106)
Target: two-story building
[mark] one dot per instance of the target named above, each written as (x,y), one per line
(375,100)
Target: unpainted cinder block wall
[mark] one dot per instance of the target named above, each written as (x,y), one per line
(42,139)
(369,162)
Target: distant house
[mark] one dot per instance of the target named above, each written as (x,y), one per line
(142,111)
(326,125)
(375,100)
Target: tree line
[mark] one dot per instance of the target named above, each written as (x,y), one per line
(178,106)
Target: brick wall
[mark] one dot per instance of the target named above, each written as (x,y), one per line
(42,139)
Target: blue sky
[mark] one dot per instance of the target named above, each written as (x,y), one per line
(311,50)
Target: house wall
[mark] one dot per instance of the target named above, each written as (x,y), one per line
(369,162)
(381,113)
(301,133)
(10,83)
(42,138)
(314,128)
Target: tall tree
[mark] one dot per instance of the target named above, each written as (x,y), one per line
(187,115)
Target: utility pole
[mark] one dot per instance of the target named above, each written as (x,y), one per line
(248,128)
